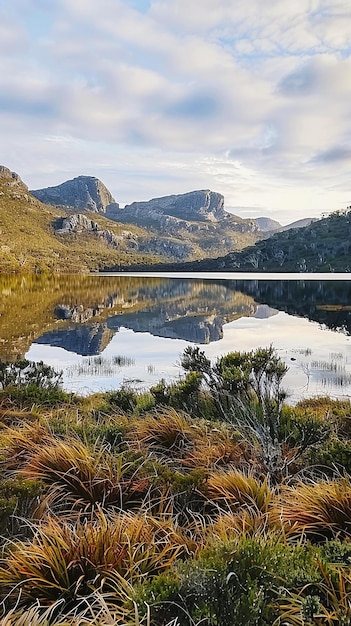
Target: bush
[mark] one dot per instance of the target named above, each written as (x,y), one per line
(124,399)
(230,583)
(18,499)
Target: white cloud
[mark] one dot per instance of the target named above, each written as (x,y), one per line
(251,99)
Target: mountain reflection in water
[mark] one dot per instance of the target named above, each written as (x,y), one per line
(83,314)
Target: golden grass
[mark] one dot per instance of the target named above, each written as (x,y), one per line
(166,431)
(321,508)
(234,489)
(70,561)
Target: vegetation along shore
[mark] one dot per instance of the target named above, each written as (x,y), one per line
(208,500)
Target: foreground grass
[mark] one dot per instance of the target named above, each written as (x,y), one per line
(163,508)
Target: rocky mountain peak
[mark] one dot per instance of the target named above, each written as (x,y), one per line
(11,179)
(83,192)
(203,205)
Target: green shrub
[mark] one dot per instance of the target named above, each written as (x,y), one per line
(231,583)
(334,454)
(34,394)
(124,399)
(18,498)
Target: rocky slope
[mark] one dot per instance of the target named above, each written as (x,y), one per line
(36,237)
(84,192)
(181,227)
(323,246)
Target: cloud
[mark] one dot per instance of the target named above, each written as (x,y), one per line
(250,99)
(337,154)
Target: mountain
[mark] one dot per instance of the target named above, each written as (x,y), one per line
(195,206)
(84,192)
(37,237)
(180,227)
(197,217)
(266,224)
(323,246)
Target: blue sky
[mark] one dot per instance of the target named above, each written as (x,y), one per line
(155,97)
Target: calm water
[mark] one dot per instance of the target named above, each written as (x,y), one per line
(108,330)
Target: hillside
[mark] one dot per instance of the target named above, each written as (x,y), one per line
(182,227)
(323,246)
(269,226)
(36,237)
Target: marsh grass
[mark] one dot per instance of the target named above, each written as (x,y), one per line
(99,366)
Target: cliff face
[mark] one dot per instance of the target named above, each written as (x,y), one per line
(195,206)
(83,192)
(197,218)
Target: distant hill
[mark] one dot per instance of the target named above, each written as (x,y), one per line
(323,246)
(266,224)
(298,224)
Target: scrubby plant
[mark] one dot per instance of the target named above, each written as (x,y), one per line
(19,498)
(326,602)
(246,391)
(125,399)
(32,382)
(230,582)
(184,394)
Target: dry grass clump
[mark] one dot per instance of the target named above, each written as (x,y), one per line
(216,445)
(235,489)
(70,561)
(81,476)
(245,523)
(96,613)
(317,508)
(18,443)
(166,432)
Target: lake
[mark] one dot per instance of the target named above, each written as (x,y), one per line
(104,331)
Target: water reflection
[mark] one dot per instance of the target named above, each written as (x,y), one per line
(82,313)
(130,320)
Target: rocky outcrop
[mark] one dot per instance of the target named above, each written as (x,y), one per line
(195,206)
(84,192)
(79,223)
(12,186)
(176,249)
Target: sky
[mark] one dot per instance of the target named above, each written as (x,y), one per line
(251,99)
